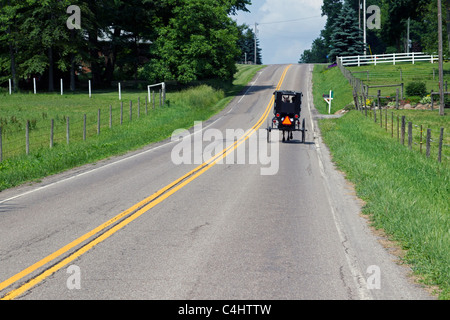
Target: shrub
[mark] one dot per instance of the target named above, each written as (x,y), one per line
(426,100)
(416,88)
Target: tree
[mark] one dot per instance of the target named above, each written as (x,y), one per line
(317,54)
(331,9)
(199,42)
(246,44)
(346,37)
(9,34)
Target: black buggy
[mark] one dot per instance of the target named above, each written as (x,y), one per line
(287,111)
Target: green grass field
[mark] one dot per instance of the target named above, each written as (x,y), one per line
(149,125)
(386,74)
(405,193)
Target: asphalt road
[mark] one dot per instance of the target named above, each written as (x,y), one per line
(278,225)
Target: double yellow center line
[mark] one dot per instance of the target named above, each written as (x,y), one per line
(113,225)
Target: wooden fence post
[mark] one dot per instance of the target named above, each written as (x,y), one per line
(410,135)
(374,115)
(68,130)
(397,102)
(385,118)
(441,139)
(27,137)
(379,99)
(139,107)
(121,113)
(131,110)
(52,128)
(392,125)
(381,117)
(84,127)
(403,130)
(98,122)
(398,128)
(421,137)
(428,142)
(154,103)
(146,105)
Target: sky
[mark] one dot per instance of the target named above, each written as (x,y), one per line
(286,27)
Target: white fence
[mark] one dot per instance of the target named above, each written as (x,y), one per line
(394,58)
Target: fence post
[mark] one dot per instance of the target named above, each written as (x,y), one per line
(392,125)
(68,130)
(52,128)
(441,139)
(381,117)
(403,130)
(385,119)
(397,102)
(410,135)
(421,138)
(398,128)
(428,142)
(379,99)
(84,127)
(1,145)
(121,113)
(98,122)
(27,137)
(154,103)
(146,105)
(131,110)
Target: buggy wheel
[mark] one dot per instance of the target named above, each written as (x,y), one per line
(268,135)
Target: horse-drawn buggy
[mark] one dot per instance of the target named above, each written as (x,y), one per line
(287,112)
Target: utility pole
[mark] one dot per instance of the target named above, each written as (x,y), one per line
(441,61)
(359,13)
(407,38)
(256,50)
(365,27)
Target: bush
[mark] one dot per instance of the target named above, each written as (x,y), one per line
(416,89)
(426,100)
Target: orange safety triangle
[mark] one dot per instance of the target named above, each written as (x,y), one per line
(287,121)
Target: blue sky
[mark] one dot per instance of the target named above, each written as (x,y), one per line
(286,27)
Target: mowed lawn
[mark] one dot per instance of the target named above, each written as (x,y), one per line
(406,194)
(124,125)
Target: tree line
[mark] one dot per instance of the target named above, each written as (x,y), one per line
(343,35)
(164,40)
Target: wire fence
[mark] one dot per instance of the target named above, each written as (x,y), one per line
(416,136)
(19,138)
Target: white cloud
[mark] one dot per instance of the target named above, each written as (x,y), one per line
(286,27)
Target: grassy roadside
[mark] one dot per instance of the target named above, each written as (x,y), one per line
(405,193)
(383,74)
(193,104)
(331,79)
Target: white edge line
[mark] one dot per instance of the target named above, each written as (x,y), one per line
(124,159)
(358,277)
